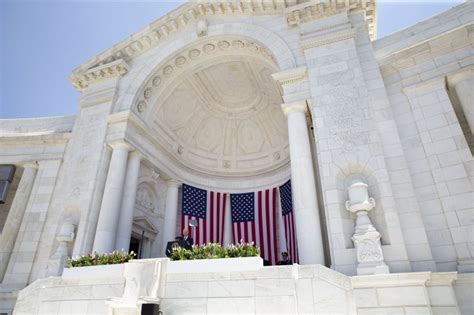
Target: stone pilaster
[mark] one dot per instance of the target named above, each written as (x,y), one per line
(16,213)
(24,257)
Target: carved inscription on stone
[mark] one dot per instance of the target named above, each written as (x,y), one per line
(345,117)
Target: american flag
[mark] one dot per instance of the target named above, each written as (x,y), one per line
(254,220)
(208,209)
(288,221)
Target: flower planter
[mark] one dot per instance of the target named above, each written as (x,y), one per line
(94,272)
(215,265)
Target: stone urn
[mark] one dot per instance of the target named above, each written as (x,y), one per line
(360,204)
(366,238)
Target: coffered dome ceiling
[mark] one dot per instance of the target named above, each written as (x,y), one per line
(216,109)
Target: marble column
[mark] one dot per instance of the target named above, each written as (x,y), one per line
(15,214)
(227,223)
(125,223)
(171,212)
(104,241)
(308,227)
(281,231)
(463,84)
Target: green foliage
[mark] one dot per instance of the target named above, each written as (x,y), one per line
(214,251)
(97,259)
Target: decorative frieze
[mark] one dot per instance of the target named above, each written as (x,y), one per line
(195,11)
(328,39)
(317,9)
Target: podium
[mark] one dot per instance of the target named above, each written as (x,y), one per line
(176,243)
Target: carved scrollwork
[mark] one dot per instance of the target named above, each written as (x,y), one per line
(368,251)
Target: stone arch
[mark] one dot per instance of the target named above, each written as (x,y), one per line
(283,55)
(178,97)
(206,50)
(272,160)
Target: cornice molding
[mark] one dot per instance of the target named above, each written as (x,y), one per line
(181,18)
(328,39)
(391,280)
(442,278)
(189,14)
(113,69)
(317,9)
(291,76)
(39,137)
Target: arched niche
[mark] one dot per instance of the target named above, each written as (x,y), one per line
(213,109)
(345,177)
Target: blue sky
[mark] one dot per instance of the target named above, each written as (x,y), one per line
(42,41)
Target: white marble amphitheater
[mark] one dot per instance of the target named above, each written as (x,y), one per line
(238,96)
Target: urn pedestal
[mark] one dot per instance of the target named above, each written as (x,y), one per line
(366,238)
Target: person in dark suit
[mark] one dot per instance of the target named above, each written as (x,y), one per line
(187,241)
(284,259)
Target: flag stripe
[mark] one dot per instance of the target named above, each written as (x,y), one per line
(254,220)
(274,224)
(289,222)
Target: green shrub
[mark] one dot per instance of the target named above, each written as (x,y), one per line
(97,259)
(214,251)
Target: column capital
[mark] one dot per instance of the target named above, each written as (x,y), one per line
(173,183)
(121,144)
(294,107)
(30,164)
